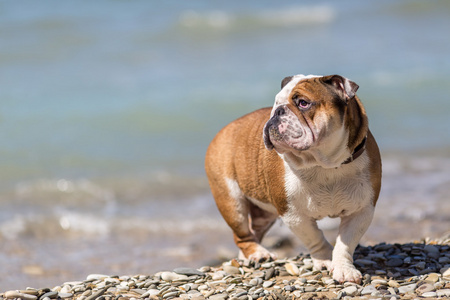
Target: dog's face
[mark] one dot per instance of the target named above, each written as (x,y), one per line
(309,112)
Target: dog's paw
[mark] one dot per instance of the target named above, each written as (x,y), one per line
(259,254)
(346,272)
(319,264)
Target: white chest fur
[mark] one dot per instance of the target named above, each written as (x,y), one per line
(318,192)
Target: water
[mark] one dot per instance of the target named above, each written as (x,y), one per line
(107,108)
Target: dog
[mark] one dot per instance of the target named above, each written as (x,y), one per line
(310,156)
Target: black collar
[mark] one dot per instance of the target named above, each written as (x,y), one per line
(357,152)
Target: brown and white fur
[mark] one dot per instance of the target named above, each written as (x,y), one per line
(316,126)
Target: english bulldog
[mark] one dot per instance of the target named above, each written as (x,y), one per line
(310,156)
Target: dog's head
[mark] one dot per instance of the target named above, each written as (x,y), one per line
(317,118)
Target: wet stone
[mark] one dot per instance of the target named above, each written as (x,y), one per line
(431,249)
(365,262)
(394,262)
(444,260)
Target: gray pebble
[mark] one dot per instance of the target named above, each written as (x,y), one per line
(218,297)
(392,291)
(92,277)
(407,288)
(443,293)
(188,271)
(17,294)
(240,294)
(256,281)
(171,276)
(269,273)
(367,290)
(268,283)
(297,294)
(267,265)
(310,288)
(170,295)
(429,295)
(425,288)
(288,288)
(231,269)
(379,281)
(51,295)
(351,290)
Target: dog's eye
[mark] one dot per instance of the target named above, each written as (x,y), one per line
(303,104)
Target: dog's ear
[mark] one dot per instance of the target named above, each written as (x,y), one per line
(285,81)
(345,86)
(356,123)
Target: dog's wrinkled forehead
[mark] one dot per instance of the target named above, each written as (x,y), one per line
(283,96)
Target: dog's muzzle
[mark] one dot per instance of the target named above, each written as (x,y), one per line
(272,128)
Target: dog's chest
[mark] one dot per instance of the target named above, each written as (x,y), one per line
(319,192)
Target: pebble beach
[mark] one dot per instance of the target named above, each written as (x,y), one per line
(416,270)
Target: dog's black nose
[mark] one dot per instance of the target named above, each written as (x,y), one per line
(279,111)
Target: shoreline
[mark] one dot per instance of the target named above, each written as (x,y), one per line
(391,271)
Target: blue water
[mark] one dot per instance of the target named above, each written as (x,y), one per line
(107,108)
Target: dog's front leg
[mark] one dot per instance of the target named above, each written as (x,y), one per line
(306,229)
(351,229)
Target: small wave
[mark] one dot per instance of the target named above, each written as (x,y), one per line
(81,193)
(72,224)
(320,14)
(214,19)
(286,17)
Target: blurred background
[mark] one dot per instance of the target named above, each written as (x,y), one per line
(107,108)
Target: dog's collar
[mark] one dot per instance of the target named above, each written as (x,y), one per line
(357,152)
